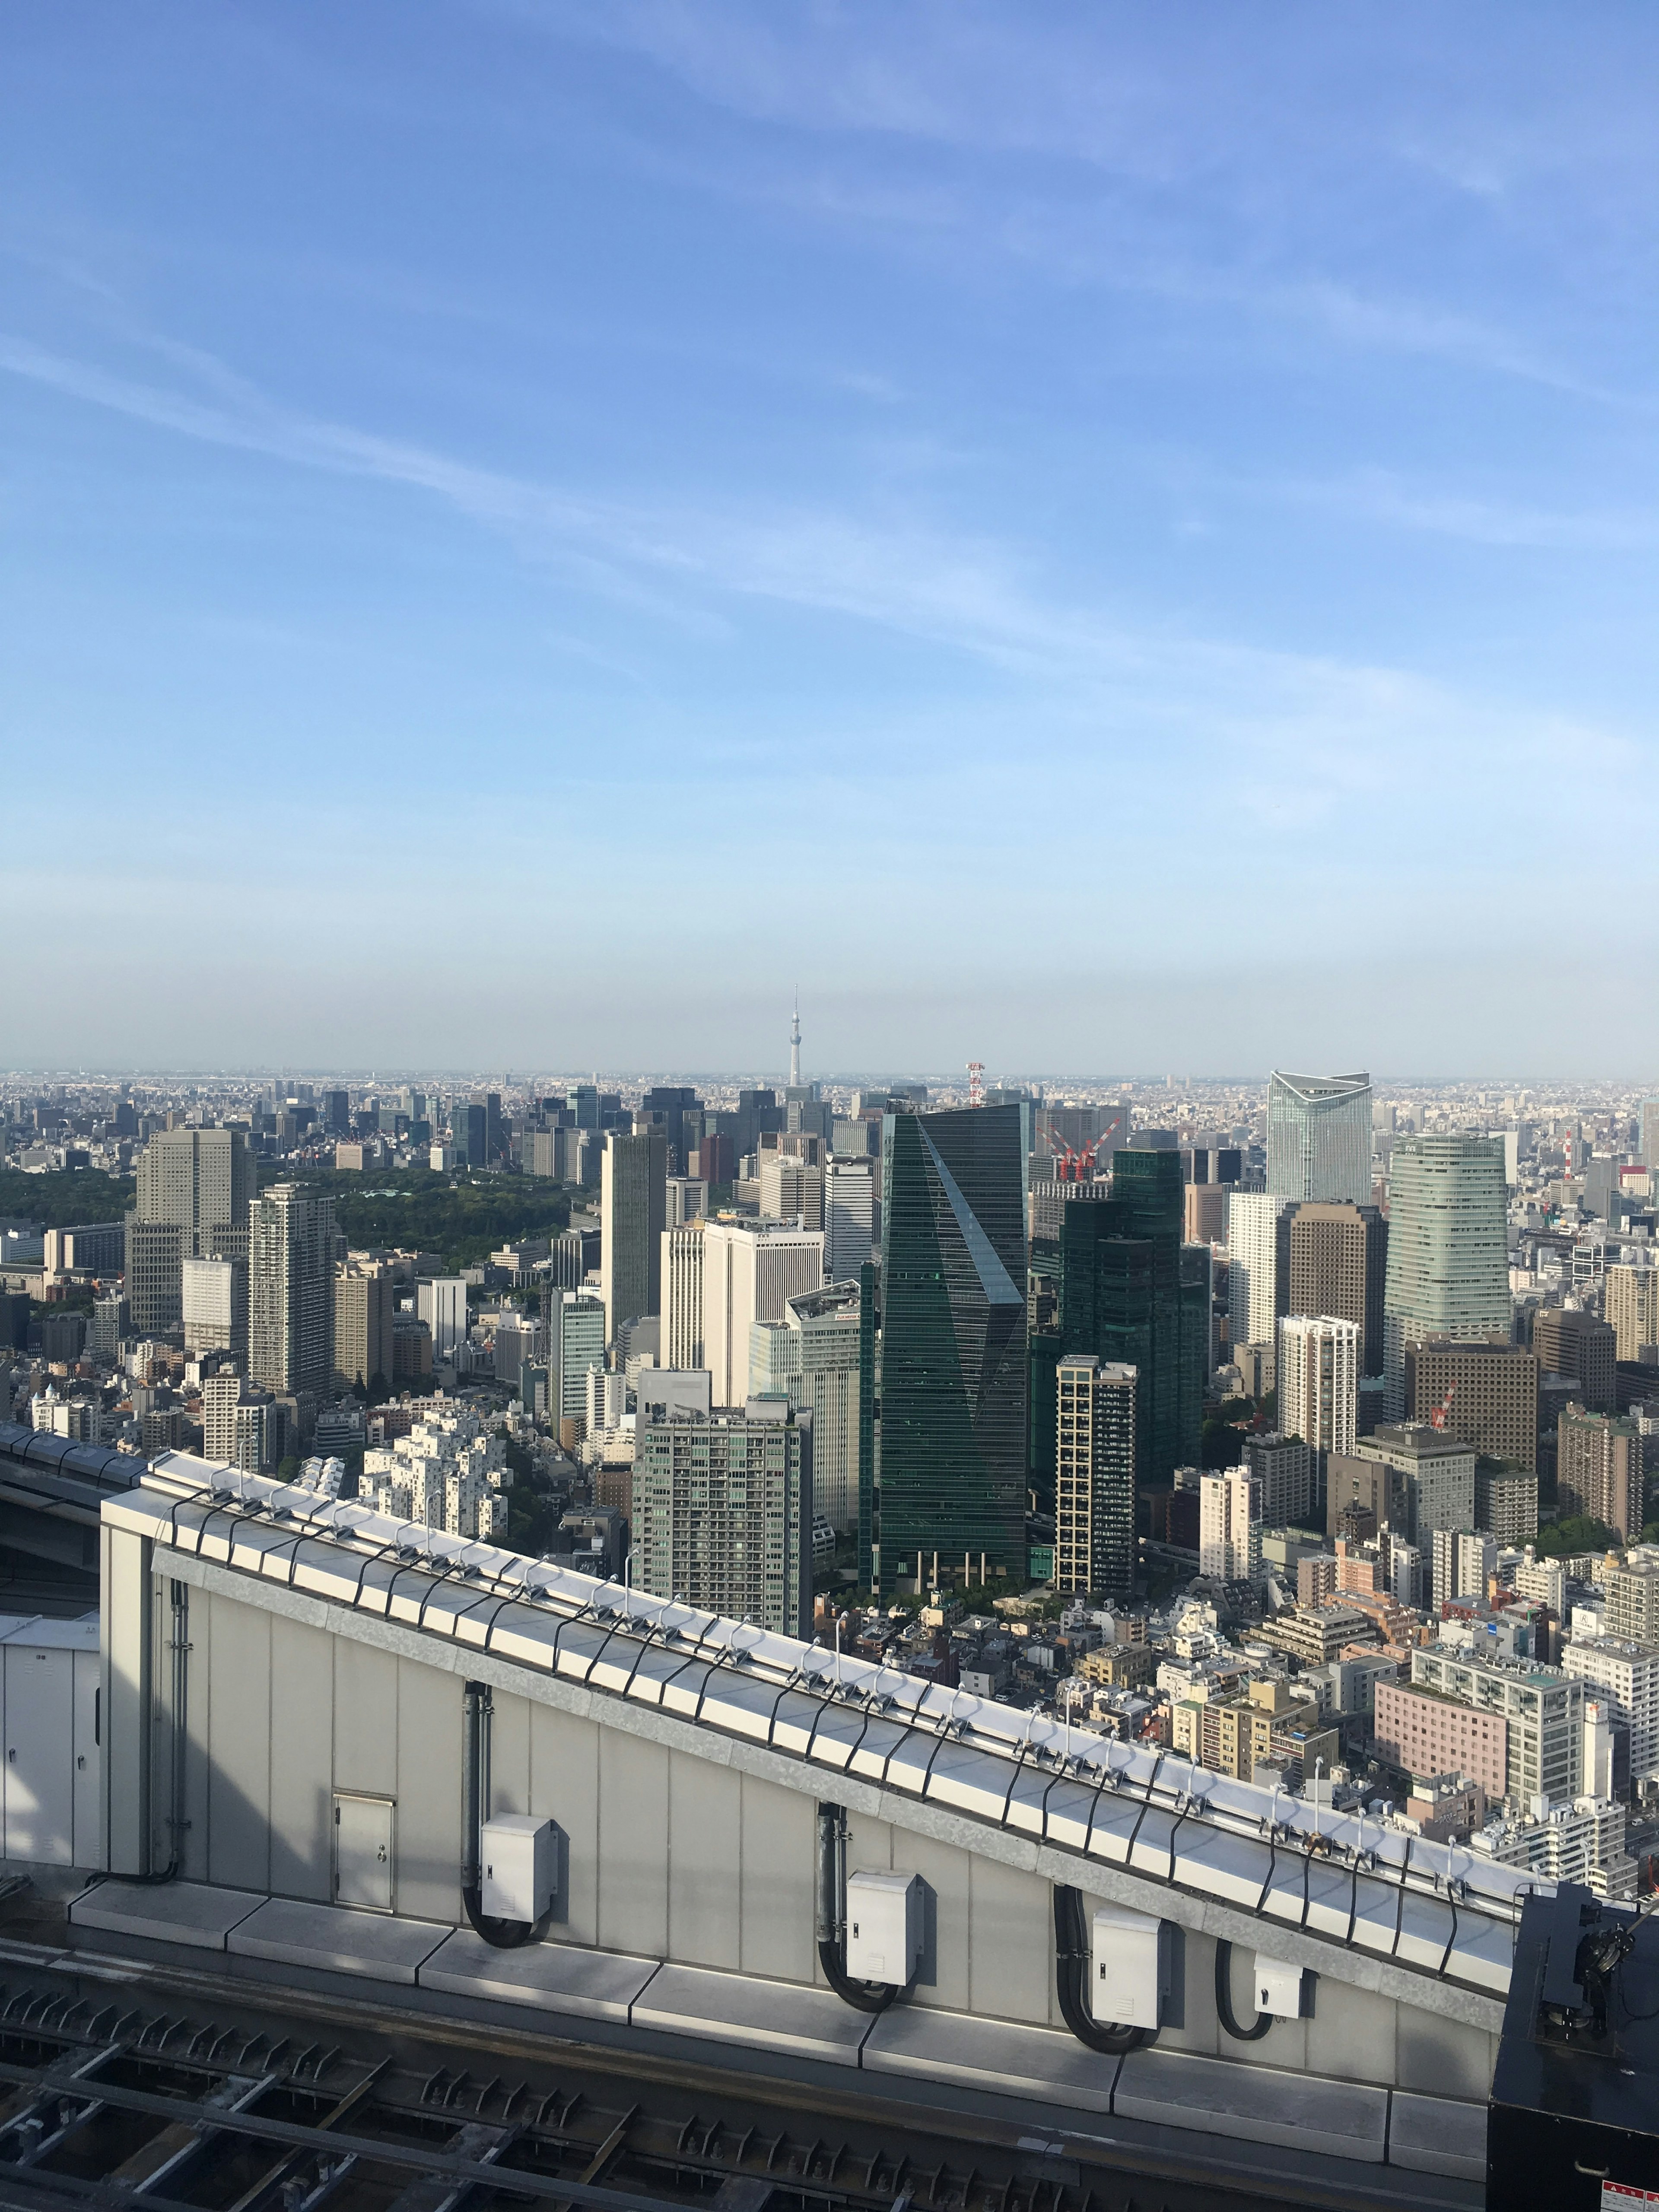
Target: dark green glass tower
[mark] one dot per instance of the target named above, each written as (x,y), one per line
(1126,1295)
(953,1457)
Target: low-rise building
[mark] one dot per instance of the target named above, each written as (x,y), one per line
(1583,1842)
(447,1473)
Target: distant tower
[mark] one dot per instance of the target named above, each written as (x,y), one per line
(977,1083)
(794,1048)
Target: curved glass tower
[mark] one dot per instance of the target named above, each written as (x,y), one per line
(1319,1138)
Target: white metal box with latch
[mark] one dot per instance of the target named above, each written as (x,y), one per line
(520,1859)
(883,1926)
(1280,1989)
(1128,1966)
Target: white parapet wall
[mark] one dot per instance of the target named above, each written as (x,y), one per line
(682,1759)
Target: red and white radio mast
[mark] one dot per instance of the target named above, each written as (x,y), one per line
(977,1083)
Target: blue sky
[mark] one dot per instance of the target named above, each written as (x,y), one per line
(1092,537)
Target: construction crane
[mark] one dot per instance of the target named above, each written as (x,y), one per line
(1438,1418)
(977,1083)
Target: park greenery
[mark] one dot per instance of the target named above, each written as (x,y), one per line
(62,1199)
(460,1218)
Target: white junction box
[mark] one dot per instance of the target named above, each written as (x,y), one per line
(1277,1988)
(883,1926)
(520,1858)
(1130,1966)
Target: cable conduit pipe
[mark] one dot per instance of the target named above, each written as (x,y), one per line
(863,1996)
(1072,1962)
(179,1597)
(499,1934)
(1224,1998)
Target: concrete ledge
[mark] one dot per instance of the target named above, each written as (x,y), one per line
(549,1977)
(999,2056)
(188,1912)
(1437,2135)
(1259,2104)
(764,2015)
(339,1939)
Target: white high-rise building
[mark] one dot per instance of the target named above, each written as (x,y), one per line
(1253,1256)
(215,1298)
(790,1190)
(442,1304)
(1229,1536)
(750,1271)
(682,1295)
(1627,1676)
(849,1219)
(1449,1262)
(1318,1377)
(1319,1138)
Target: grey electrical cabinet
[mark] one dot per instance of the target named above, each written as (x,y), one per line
(520,1859)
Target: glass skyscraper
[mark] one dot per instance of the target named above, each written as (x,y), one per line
(1130,1296)
(1319,1138)
(1447,1271)
(952,1450)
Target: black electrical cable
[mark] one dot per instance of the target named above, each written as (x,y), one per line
(1071,1960)
(1224,1998)
(863,1996)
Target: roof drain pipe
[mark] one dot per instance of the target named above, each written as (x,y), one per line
(178,1645)
(1224,1999)
(863,1996)
(1071,1980)
(476,1711)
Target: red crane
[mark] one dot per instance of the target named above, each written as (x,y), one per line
(1438,1418)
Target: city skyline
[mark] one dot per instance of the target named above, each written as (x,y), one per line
(1196,466)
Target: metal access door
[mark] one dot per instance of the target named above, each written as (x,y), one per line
(39,1774)
(362,1850)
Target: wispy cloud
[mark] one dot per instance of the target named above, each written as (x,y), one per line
(1286,740)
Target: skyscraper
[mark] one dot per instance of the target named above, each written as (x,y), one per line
(632,1211)
(191,1202)
(1319,1138)
(362,1328)
(1339,1257)
(953,1353)
(577,1343)
(442,1304)
(215,1305)
(682,1295)
(1132,1294)
(723,1512)
(1448,1272)
(1317,1376)
(849,1219)
(1599,1471)
(1228,1534)
(1095,1477)
(1575,1343)
(828,1325)
(291,1291)
(1255,1270)
(1633,1309)
(750,1271)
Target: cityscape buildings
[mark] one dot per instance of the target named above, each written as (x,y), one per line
(1319,1138)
